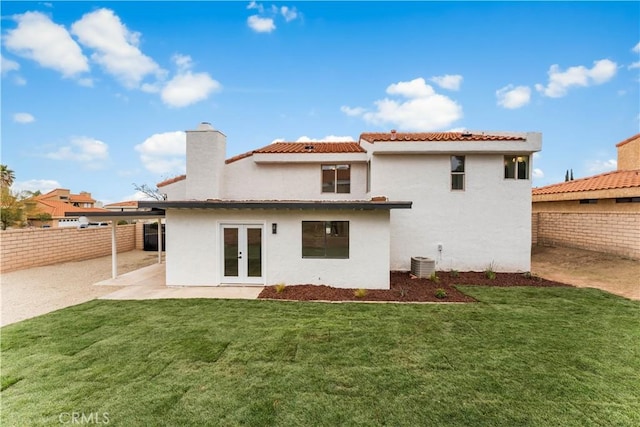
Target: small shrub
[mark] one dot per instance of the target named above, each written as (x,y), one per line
(490,272)
(440,293)
(454,273)
(360,293)
(280,287)
(434,277)
(527,275)
(403,292)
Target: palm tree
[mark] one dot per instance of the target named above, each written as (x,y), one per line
(7,176)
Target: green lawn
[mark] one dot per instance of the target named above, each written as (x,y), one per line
(518,357)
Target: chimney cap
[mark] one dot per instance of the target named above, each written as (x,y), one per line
(205,126)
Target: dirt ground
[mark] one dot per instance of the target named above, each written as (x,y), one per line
(35,291)
(620,276)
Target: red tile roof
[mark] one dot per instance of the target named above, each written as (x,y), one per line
(58,209)
(302,148)
(435,137)
(632,138)
(605,181)
(131,203)
(171,180)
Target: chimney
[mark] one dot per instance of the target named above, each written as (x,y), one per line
(206,152)
(393,134)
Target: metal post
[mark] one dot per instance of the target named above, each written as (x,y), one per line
(160,241)
(114,251)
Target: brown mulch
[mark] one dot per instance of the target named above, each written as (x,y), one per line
(405,288)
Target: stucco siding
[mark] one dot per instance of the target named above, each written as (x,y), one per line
(246,180)
(195,255)
(487,223)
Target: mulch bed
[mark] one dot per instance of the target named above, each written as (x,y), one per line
(405,288)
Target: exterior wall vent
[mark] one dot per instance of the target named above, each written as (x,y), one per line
(422,267)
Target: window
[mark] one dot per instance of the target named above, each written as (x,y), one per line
(457,172)
(628,200)
(516,167)
(588,201)
(325,239)
(369,176)
(336,179)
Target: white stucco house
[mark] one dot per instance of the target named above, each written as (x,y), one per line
(346,213)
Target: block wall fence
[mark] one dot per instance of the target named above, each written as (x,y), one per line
(26,248)
(611,232)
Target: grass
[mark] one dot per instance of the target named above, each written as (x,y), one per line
(518,357)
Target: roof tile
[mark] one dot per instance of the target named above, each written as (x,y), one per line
(302,148)
(435,137)
(605,181)
(171,180)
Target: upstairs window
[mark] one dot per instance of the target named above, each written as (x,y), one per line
(336,179)
(325,239)
(457,172)
(516,167)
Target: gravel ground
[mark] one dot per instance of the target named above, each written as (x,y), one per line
(35,291)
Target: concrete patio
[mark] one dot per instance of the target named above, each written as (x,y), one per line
(149,283)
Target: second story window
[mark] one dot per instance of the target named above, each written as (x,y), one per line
(336,179)
(516,167)
(457,172)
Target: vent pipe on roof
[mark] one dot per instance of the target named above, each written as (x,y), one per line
(205,126)
(393,134)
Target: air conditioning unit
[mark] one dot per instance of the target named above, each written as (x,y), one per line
(422,267)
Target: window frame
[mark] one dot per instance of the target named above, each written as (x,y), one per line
(457,173)
(339,226)
(514,160)
(336,168)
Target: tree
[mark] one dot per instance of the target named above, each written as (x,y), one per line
(7,176)
(566,176)
(11,209)
(571,177)
(154,193)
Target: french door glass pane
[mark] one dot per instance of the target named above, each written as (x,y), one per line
(231,252)
(254,252)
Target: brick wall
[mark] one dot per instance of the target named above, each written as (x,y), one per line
(616,232)
(27,248)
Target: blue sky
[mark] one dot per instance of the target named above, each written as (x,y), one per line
(96,95)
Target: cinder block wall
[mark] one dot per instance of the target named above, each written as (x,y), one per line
(616,233)
(27,248)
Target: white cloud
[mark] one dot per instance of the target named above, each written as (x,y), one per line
(423,110)
(354,112)
(634,65)
(49,44)
(448,81)
(116,48)
(560,81)
(42,185)
(513,97)
(289,13)
(328,138)
(23,118)
(164,153)
(260,25)
(254,5)
(137,196)
(187,88)
(89,151)
(600,166)
(537,173)
(7,65)
(20,81)
(636,48)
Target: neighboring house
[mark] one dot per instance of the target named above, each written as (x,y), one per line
(127,206)
(58,204)
(600,212)
(346,213)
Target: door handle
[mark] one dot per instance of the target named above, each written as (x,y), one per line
(240,255)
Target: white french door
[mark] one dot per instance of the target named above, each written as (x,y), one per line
(242,253)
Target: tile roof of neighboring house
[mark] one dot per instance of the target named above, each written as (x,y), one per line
(81,198)
(632,138)
(435,137)
(171,180)
(302,148)
(127,204)
(58,209)
(605,181)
